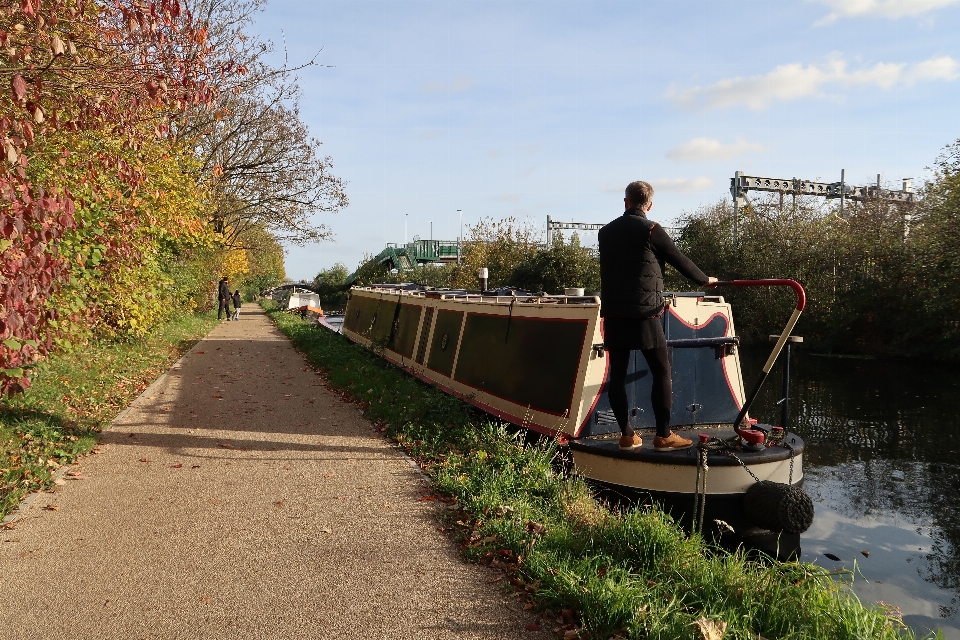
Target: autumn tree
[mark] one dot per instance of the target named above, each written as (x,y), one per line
(79,75)
(263,167)
(498,245)
(264,255)
(561,265)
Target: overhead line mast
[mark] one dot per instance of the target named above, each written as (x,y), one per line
(740,184)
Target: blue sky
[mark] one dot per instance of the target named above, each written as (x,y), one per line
(526,108)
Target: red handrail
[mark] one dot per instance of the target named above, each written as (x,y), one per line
(769,282)
(801,303)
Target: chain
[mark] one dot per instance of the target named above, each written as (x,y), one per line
(792,454)
(731,454)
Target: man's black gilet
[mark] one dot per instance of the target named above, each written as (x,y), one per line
(631,276)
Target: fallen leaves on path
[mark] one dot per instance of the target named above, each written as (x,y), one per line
(51,507)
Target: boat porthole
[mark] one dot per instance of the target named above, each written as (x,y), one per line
(443,343)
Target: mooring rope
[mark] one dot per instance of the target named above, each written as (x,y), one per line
(700,493)
(506,336)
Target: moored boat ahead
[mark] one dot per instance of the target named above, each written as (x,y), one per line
(538,361)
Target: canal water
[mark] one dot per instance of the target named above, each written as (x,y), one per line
(882,465)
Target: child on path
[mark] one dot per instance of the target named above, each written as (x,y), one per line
(236,305)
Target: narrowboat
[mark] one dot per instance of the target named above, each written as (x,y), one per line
(538,361)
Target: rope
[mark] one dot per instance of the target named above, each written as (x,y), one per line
(396,320)
(696,495)
(725,447)
(700,492)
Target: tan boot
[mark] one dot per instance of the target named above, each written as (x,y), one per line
(630,442)
(671,442)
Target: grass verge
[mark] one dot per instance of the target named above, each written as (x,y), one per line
(592,573)
(74,395)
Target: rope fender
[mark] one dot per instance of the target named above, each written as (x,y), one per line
(778,507)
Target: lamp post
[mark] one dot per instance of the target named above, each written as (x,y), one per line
(405,217)
(460,237)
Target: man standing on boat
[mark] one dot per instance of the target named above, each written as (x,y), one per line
(632,252)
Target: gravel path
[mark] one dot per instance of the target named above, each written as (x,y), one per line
(239,498)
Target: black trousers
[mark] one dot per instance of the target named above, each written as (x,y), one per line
(224,308)
(661,397)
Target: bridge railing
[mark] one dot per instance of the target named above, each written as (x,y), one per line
(428,250)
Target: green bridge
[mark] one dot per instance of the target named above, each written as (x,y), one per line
(413,254)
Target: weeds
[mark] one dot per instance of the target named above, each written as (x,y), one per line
(73,396)
(590,572)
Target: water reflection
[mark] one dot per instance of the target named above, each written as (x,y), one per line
(883,469)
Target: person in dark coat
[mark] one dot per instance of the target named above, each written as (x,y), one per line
(223,296)
(236,305)
(633,250)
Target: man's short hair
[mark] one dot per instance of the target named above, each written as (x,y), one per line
(638,193)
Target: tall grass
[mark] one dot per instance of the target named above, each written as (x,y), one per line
(591,572)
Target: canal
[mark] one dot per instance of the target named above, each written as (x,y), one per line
(882,465)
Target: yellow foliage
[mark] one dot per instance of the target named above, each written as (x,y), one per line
(498,245)
(235,264)
(137,255)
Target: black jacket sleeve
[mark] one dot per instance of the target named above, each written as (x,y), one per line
(667,252)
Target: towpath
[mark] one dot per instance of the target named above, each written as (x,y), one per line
(239,498)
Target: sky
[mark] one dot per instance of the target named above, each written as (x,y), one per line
(433,110)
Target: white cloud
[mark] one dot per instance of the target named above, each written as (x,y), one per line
(431,134)
(700,149)
(943,68)
(454,86)
(682,184)
(879,8)
(794,81)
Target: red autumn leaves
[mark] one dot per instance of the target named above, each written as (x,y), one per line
(118,71)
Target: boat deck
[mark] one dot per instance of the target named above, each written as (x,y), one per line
(607,445)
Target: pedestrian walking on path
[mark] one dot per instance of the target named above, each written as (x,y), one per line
(297,521)
(236,305)
(223,297)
